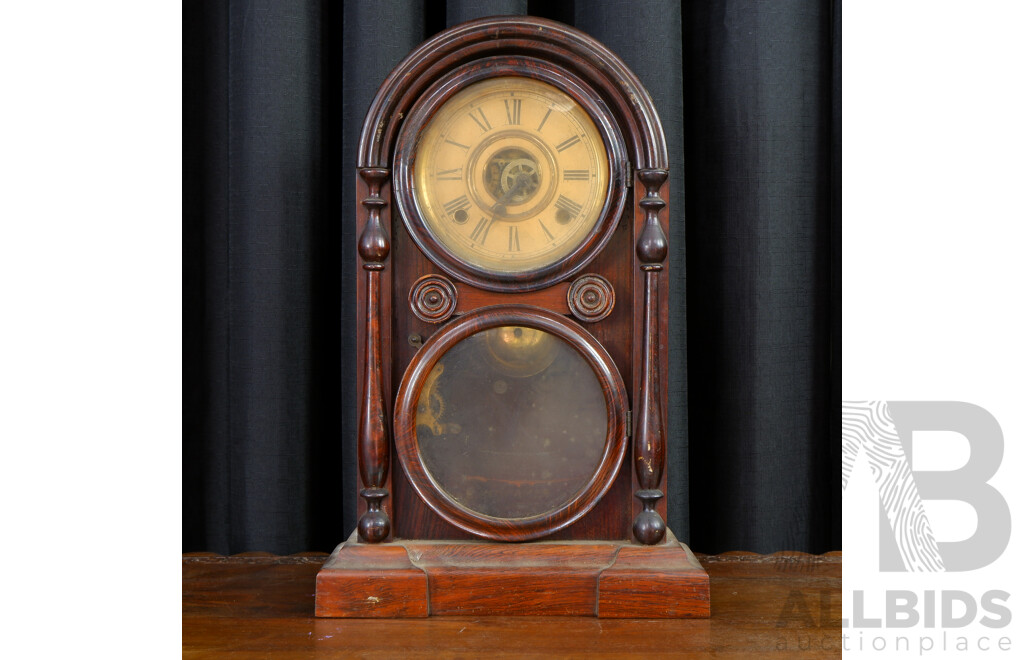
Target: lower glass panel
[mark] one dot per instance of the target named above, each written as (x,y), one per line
(511,422)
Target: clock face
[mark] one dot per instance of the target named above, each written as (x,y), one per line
(510,175)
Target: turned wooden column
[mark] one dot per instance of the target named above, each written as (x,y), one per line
(374,437)
(649,434)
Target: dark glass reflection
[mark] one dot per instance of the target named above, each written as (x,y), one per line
(511,422)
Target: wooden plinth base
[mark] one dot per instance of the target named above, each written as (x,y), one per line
(611,579)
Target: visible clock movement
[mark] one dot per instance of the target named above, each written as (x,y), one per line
(513,179)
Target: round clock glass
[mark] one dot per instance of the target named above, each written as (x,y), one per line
(511,422)
(510,175)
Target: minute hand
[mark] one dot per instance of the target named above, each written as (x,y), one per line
(499,206)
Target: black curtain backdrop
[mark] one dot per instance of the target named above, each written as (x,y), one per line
(274,97)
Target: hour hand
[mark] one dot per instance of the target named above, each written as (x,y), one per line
(499,209)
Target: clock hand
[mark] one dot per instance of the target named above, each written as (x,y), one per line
(522,180)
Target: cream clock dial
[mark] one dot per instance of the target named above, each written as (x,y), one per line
(510,175)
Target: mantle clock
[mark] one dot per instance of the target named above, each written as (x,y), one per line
(512,306)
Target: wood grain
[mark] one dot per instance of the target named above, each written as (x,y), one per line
(387,583)
(629,124)
(786,605)
(649,436)
(419,578)
(374,439)
(628,100)
(553,298)
(633,134)
(664,581)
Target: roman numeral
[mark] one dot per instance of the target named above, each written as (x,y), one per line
(460,146)
(576,175)
(546,115)
(569,206)
(450,175)
(513,108)
(481,121)
(456,204)
(513,239)
(568,143)
(546,232)
(479,234)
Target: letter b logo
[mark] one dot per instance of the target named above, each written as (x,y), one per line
(883,431)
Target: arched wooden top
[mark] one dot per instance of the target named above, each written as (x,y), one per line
(524,35)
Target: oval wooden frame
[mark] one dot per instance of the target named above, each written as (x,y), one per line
(404,165)
(511,529)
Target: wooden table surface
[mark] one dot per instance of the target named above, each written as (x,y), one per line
(261,606)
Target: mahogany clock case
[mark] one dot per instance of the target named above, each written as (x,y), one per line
(467,51)
(628,559)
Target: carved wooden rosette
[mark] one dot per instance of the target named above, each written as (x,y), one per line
(649,436)
(591,298)
(433,298)
(373,438)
